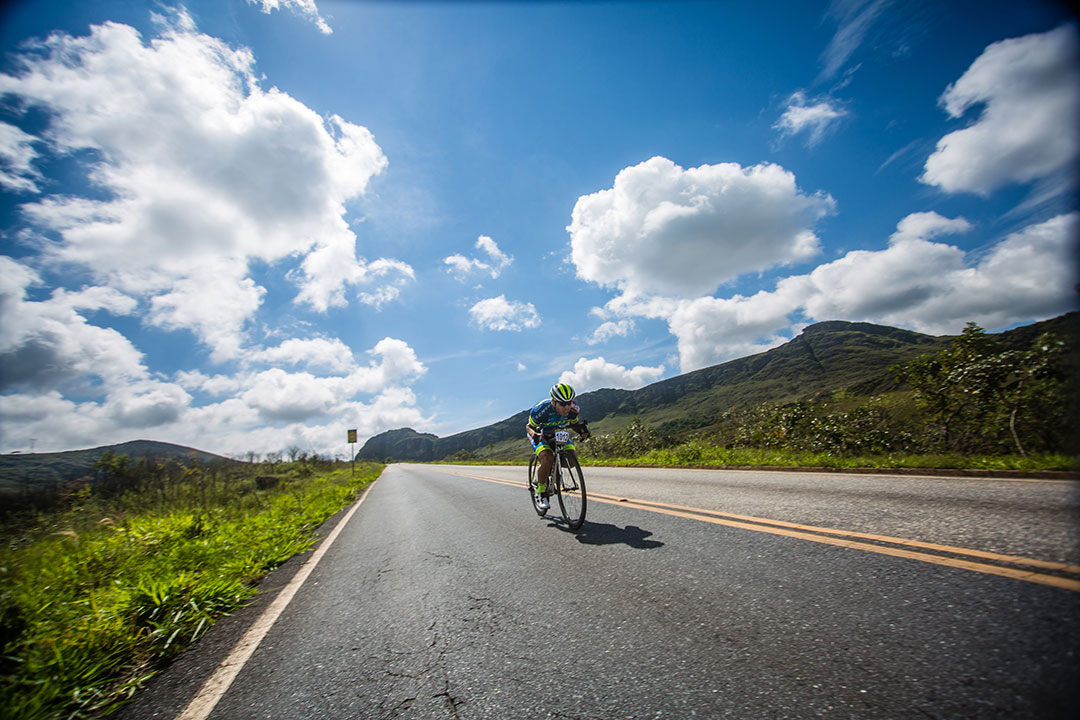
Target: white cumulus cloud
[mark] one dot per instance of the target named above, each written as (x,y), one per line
(1029,275)
(498,313)
(609,329)
(397,364)
(182,122)
(714,330)
(281,396)
(260,411)
(49,344)
(320,353)
(916,282)
(935,287)
(661,229)
(1029,91)
(596,373)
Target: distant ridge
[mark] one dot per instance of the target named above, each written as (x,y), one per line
(60,467)
(824,358)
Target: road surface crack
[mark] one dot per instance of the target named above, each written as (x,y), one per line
(400,708)
(452,703)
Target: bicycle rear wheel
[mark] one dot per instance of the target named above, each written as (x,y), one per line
(541,511)
(572,498)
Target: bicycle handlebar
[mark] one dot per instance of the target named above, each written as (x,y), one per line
(581,427)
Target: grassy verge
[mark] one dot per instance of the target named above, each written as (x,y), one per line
(94,600)
(696,453)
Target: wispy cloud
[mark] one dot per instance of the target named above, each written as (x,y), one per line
(898,154)
(306,8)
(17,173)
(462,267)
(813,117)
(855,18)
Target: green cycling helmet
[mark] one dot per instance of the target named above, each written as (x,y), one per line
(562,393)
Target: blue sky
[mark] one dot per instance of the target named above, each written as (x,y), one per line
(249,225)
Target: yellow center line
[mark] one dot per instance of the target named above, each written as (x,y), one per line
(846,538)
(1045,564)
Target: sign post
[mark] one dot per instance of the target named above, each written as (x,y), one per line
(352,450)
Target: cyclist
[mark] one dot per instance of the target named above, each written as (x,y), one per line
(545,418)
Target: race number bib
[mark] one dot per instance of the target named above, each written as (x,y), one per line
(562,436)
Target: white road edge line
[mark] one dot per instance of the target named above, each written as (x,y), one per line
(215,687)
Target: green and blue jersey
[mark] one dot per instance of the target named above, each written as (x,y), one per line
(543,418)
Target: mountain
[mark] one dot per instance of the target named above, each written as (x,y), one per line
(824,358)
(38,469)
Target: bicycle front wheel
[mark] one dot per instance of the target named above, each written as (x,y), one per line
(572,498)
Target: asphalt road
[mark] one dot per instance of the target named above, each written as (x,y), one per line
(761,595)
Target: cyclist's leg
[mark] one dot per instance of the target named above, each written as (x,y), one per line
(547,459)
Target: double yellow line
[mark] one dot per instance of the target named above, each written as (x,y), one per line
(1060,575)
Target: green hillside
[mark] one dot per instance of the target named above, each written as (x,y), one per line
(19,471)
(825,358)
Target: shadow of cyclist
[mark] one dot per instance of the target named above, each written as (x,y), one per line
(606,534)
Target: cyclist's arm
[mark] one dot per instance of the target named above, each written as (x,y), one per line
(533,428)
(581,428)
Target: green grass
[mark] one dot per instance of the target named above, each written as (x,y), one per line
(702,454)
(697,453)
(96,599)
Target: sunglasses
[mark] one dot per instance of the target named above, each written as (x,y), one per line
(564,403)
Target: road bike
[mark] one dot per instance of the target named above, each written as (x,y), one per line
(566,482)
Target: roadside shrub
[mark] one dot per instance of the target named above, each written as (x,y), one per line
(979,397)
(809,427)
(636,439)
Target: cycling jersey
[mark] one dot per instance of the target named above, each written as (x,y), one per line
(543,416)
(544,419)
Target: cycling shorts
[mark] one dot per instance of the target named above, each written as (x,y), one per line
(540,446)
